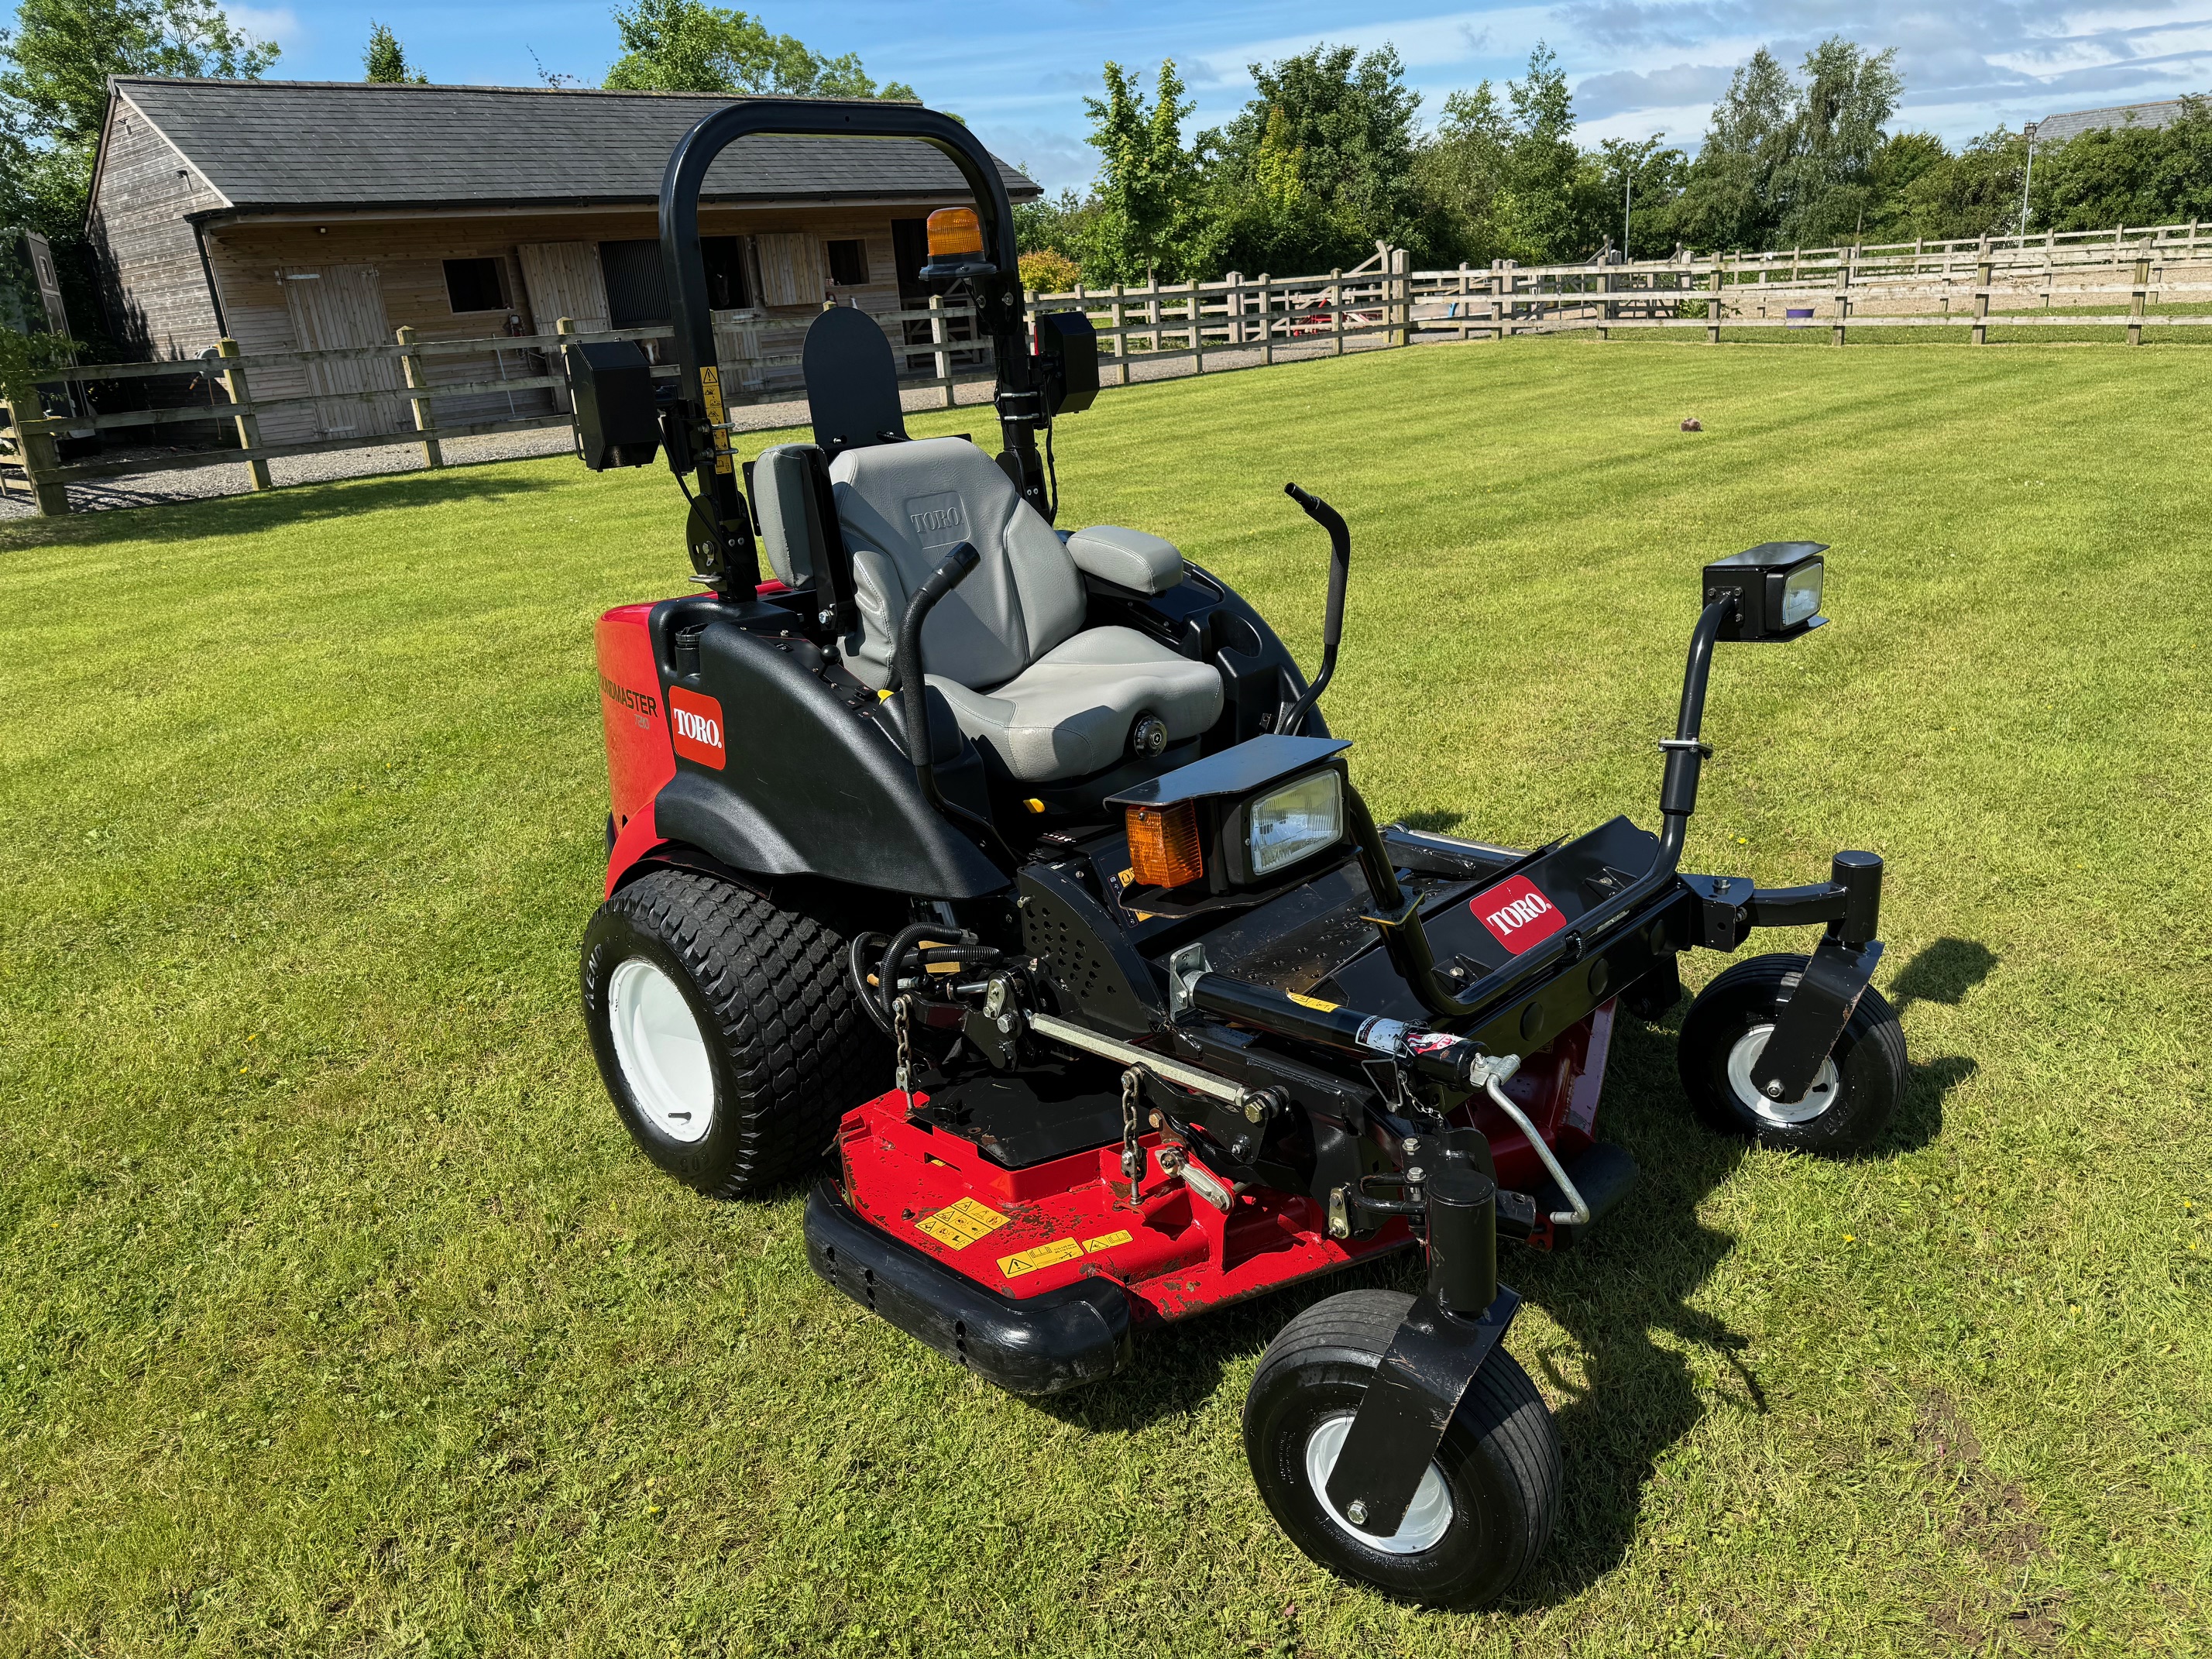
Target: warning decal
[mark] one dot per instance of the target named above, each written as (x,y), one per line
(1106,1240)
(1028,1262)
(1313,1002)
(1517,913)
(961,1224)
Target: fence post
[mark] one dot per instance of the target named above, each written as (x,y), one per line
(249,424)
(2135,301)
(35,447)
(1983,270)
(1233,307)
(1459,308)
(1336,305)
(411,364)
(1197,330)
(1842,294)
(1403,283)
(940,359)
(1267,321)
(1120,315)
(1713,307)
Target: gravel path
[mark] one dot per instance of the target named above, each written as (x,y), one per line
(231,478)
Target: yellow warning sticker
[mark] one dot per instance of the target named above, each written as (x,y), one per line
(710,393)
(1028,1262)
(1314,1002)
(961,1224)
(1106,1240)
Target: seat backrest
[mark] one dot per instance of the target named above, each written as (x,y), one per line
(903,507)
(790,521)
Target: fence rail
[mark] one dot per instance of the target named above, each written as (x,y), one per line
(1237,321)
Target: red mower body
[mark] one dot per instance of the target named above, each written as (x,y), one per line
(1023,1233)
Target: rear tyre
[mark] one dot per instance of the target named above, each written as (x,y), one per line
(1852,1097)
(724,1030)
(1484,1511)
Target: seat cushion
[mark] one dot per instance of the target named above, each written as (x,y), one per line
(1068,714)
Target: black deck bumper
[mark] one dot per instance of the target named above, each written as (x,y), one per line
(1040,1344)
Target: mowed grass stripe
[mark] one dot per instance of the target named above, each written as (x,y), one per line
(335,1312)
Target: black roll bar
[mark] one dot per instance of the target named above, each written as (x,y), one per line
(701,408)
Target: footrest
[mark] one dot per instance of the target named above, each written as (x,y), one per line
(1602,1175)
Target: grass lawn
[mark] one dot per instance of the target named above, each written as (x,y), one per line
(336,1314)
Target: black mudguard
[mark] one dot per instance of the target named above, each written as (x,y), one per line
(810,784)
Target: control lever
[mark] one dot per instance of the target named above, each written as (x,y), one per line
(1332,631)
(906,665)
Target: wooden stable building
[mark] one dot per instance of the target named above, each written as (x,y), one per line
(306,216)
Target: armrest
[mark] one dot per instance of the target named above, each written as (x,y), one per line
(1127,558)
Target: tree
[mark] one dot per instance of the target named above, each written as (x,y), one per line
(2128,175)
(687,46)
(1824,187)
(1320,165)
(54,65)
(1728,196)
(1460,174)
(1147,189)
(386,62)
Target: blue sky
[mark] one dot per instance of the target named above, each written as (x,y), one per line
(1018,72)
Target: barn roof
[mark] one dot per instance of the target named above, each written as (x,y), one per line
(350,145)
(2056,128)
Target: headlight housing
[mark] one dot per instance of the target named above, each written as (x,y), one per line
(1294,822)
(1776,588)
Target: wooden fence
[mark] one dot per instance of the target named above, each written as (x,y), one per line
(1239,321)
(1976,285)
(761,358)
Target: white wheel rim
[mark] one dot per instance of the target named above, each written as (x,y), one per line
(1428,1517)
(1745,1056)
(662,1055)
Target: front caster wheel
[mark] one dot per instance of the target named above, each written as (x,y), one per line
(1484,1511)
(1851,1099)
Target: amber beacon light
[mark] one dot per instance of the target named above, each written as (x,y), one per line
(1164,845)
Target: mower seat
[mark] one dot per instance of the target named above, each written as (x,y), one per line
(1051,699)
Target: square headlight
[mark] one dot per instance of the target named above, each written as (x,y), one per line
(1294,822)
(1775,588)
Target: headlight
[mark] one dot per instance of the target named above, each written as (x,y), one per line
(1295,821)
(1801,593)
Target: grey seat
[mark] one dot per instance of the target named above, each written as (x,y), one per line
(1050,698)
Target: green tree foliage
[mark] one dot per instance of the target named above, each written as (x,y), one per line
(1318,166)
(385,60)
(54,65)
(1146,195)
(686,45)
(2127,175)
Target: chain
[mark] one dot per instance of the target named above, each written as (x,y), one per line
(1133,1153)
(905,1074)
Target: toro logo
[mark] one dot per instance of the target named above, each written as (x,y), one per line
(1517,913)
(697,724)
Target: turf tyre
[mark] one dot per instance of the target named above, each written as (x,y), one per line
(1869,1079)
(1499,1459)
(789,1048)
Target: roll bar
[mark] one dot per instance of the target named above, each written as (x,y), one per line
(697,427)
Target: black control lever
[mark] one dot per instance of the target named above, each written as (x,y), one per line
(906,664)
(1332,632)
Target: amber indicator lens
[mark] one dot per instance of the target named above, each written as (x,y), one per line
(1164,844)
(954,230)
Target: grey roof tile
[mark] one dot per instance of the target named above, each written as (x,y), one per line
(310,143)
(2056,128)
